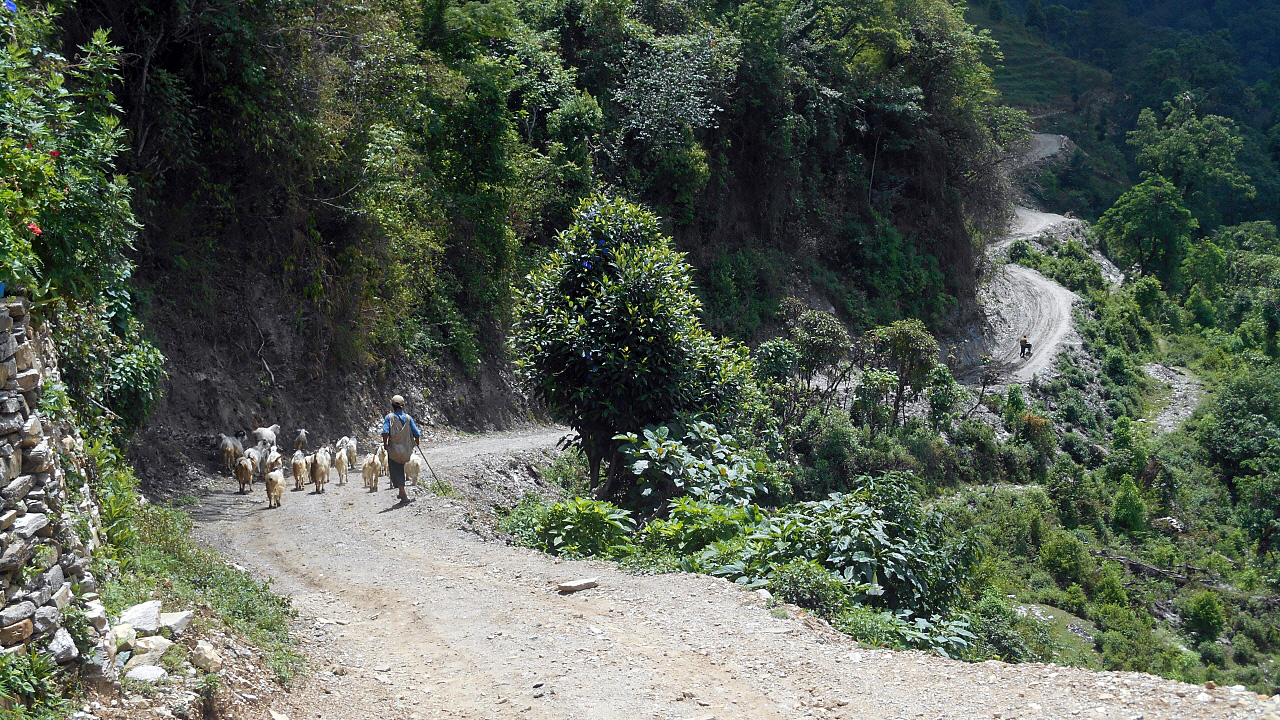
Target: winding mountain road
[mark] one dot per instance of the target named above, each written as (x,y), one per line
(1020,301)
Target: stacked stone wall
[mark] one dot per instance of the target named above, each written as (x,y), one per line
(46,538)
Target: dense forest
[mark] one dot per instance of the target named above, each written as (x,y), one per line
(728,243)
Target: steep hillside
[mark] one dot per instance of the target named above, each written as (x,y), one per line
(369,186)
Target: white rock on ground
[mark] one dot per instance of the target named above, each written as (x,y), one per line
(147,673)
(145,618)
(176,622)
(148,651)
(206,657)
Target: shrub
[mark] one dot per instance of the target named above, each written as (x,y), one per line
(878,539)
(30,680)
(1130,510)
(695,459)
(944,395)
(695,524)
(1204,615)
(949,637)
(584,528)
(1064,557)
(777,360)
(1075,601)
(809,585)
(1075,445)
(873,627)
(1211,653)
(523,521)
(568,471)
(1109,590)
(1243,650)
(1001,633)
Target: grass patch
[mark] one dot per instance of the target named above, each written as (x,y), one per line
(442,489)
(1072,649)
(166,563)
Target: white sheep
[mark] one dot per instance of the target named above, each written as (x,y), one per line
(267,435)
(300,472)
(340,464)
(370,471)
(412,467)
(320,469)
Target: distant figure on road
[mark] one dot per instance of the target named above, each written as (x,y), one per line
(399,436)
(1025,346)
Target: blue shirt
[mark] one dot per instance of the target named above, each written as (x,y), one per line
(402,417)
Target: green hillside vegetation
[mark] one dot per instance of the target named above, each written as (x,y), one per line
(1120,58)
(1032,73)
(398,166)
(800,469)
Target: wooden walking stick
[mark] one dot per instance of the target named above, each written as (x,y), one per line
(428,462)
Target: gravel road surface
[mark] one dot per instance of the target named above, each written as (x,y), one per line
(406,616)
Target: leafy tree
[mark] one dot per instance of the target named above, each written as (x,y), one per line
(1200,304)
(1130,510)
(945,396)
(1149,226)
(1015,406)
(777,359)
(1036,17)
(911,351)
(1205,615)
(1197,154)
(871,395)
(1065,558)
(1205,266)
(67,224)
(1242,423)
(608,337)
(818,335)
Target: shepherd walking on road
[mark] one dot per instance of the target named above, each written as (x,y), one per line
(399,436)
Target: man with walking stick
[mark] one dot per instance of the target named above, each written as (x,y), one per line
(399,436)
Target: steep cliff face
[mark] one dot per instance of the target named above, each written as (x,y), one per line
(50,522)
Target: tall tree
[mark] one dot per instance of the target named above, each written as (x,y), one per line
(1197,154)
(1149,226)
(608,336)
(908,348)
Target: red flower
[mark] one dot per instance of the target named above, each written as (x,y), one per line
(28,146)
(34,228)
(54,153)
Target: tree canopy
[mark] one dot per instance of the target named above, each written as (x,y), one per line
(607,333)
(1149,226)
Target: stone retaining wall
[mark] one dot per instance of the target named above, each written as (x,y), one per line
(46,539)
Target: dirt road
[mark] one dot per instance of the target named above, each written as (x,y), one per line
(1020,301)
(408,617)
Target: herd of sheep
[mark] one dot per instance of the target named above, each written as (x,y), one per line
(264,459)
